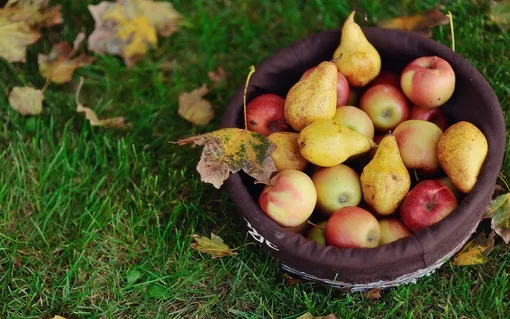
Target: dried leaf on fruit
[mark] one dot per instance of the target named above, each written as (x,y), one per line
(214,246)
(499,212)
(129,28)
(14,39)
(60,64)
(475,251)
(373,293)
(35,13)
(217,76)
(309,315)
(421,23)
(26,100)
(500,13)
(230,150)
(194,108)
(115,122)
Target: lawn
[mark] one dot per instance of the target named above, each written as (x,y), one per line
(95,223)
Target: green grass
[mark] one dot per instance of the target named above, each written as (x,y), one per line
(95,223)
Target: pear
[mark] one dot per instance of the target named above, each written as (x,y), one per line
(356,58)
(461,151)
(385,180)
(328,143)
(313,97)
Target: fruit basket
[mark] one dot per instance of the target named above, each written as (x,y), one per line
(402,261)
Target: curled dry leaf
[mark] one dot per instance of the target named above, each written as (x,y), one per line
(499,212)
(129,28)
(60,64)
(420,23)
(373,293)
(214,246)
(26,100)
(35,13)
(115,122)
(14,39)
(217,76)
(500,13)
(309,315)
(194,108)
(230,150)
(58,317)
(475,251)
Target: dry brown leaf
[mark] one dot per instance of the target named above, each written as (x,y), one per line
(60,64)
(115,122)
(475,251)
(230,150)
(35,13)
(194,108)
(14,39)
(58,317)
(26,100)
(214,246)
(499,212)
(217,76)
(373,293)
(500,13)
(309,315)
(420,23)
(289,280)
(129,28)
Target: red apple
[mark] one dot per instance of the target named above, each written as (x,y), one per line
(289,199)
(428,81)
(386,106)
(392,230)
(352,227)
(265,114)
(427,203)
(435,115)
(387,77)
(342,87)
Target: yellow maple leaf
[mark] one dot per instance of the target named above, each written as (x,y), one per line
(475,252)
(14,39)
(194,108)
(214,246)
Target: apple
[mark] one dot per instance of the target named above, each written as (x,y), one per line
(428,81)
(417,141)
(265,114)
(342,87)
(386,77)
(287,154)
(299,229)
(337,187)
(392,230)
(352,227)
(446,181)
(289,199)
(427,203)
(316,233)
(435,115)
(386,106)
(354,96)
(355,119)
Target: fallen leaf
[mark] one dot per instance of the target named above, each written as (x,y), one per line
(475,251)
(58,317)
(217,76)
(213,246)
(499,212)
(115,122)
(309,315)
(60,64)
(289,280)
(14,39)
(373,293)
(132,276)
(157,291)
(420,23)
(35,13)
(129,28)
(194,108)
(230,150)
(500,13)
(26,100)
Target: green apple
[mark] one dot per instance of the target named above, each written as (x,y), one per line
(317,234)
(355,119)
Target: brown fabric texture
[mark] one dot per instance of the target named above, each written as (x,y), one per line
(473,101)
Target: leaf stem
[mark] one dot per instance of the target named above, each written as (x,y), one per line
(450,17)
(252,70)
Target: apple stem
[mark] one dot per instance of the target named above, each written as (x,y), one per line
(450,17)
(315,225)
(365,15)
(433,203)
(252,70)
(432,61)
(416,175)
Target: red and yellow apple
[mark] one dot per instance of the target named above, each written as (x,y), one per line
(435,115)
(342,87)
(317,233)
(352,227)
(386,77)
(386,106)
(428,81)
(426,204)
(299,229)
(417,142)
(392,229)
(265,114)
(289,199)
(287,154)
(337,187)
(355,119)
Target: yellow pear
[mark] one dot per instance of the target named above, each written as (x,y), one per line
(356,58)
(461,151)
(313,97)
(287,155)
(385,180)
(328,143)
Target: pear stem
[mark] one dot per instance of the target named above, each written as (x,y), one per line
(252,70)
(315,225)
(337,58)
(365,15)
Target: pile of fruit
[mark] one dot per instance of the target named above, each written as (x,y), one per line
(366,172)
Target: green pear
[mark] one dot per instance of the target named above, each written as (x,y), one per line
(385,180)
(356,58)
(313,97)
(328,143)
